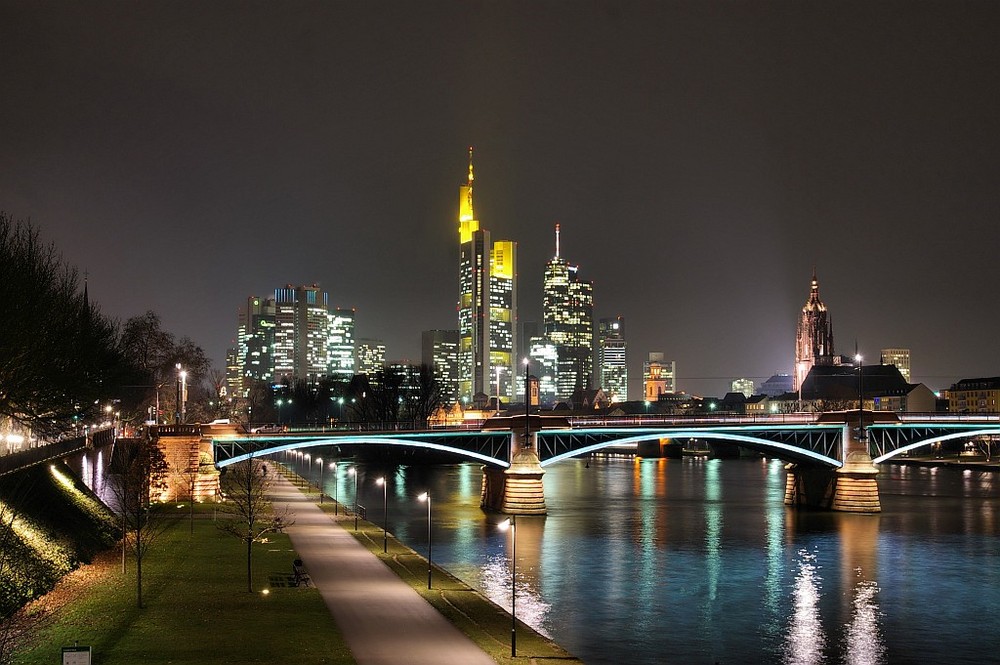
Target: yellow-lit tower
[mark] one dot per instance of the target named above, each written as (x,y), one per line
(473,296)
(487,306)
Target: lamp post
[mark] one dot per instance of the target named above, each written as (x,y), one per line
(184,392)
(336,481)
(308,467)
(511,523)
(385,513)
(861,396)
(320,460)
(527,401)
(177,404)
(279,402)
(426,496)
(354,472)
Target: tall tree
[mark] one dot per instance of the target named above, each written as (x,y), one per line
(249,514)
(59,353)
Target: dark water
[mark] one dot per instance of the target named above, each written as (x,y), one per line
(699,561)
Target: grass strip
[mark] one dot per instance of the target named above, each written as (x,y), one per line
(196,607)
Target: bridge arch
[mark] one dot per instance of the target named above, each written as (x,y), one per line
(492,452)
(780,449)
(950,436)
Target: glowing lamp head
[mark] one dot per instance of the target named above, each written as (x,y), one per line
(503,526)
(423,496)
(380,481)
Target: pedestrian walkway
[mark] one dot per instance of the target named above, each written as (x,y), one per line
(382,618)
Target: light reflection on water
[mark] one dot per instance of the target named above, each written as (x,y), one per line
(693,561)
(805,640)
(864,644)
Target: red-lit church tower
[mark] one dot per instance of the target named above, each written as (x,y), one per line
(814,337)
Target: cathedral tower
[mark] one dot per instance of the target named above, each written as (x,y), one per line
(814,337)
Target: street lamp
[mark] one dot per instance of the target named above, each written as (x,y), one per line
(184,392)
(177,404)
(511,523)
(861,395)
(320,461)
(426,496)
(385,513)
(308,467)
(354,472)
(336,480)
(527,402)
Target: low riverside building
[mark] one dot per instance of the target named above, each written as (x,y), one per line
(975,396)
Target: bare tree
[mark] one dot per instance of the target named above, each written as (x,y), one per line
(142,476)
(249,514)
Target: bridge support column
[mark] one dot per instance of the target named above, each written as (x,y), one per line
(851,488)
(517,490)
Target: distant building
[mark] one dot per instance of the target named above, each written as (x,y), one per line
(898,357)
(975,396)
(745,386)
(813,337)
(611,358)
(371,356)
(301,334)
(439,351)
(659,376)
(778,384)
(255,341)
(837,387)
(568,314)
(341,344)
(544,357)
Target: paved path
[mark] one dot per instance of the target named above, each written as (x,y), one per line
(382,619)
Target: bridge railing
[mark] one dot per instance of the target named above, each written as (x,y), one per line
(657,420)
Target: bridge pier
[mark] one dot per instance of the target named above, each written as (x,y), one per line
(518,489)
(851,488)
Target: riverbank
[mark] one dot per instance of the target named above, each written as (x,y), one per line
(977,462)
(197,610)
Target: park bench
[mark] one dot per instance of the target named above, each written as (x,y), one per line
(300,574)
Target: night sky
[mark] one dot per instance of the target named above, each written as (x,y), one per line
(701,157)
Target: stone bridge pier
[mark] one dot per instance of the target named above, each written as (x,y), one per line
(851,488)
(518,489)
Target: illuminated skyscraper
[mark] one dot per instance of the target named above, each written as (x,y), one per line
(814,336)
(568,316)
(371,356)
(611,358)
(487,304)
(301,334)
(255,341)
(544,357)
(900,358)
(745,386)
(439,351)
(341,344)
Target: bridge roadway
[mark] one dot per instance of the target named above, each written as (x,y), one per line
(816,439)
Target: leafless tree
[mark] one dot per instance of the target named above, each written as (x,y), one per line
(248,512)
(141,477)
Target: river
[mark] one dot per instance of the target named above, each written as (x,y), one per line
(699,561)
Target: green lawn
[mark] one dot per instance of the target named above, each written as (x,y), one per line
(197,609)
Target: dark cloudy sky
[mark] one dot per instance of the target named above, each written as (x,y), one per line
(701,157)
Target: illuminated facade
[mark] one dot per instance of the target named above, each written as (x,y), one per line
(814,336)
(301,334)
(341,344)
(371,356)
(611,358)
(659,377)
(568,319)
(900,358)
(439,351)
(745,386)
(975,396)
(544,356)
(255,341)
(487,304)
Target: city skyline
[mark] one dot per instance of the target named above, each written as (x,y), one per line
(200,160)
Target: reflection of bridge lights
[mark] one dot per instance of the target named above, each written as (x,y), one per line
(804,640)
(494,579)
(864,639)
